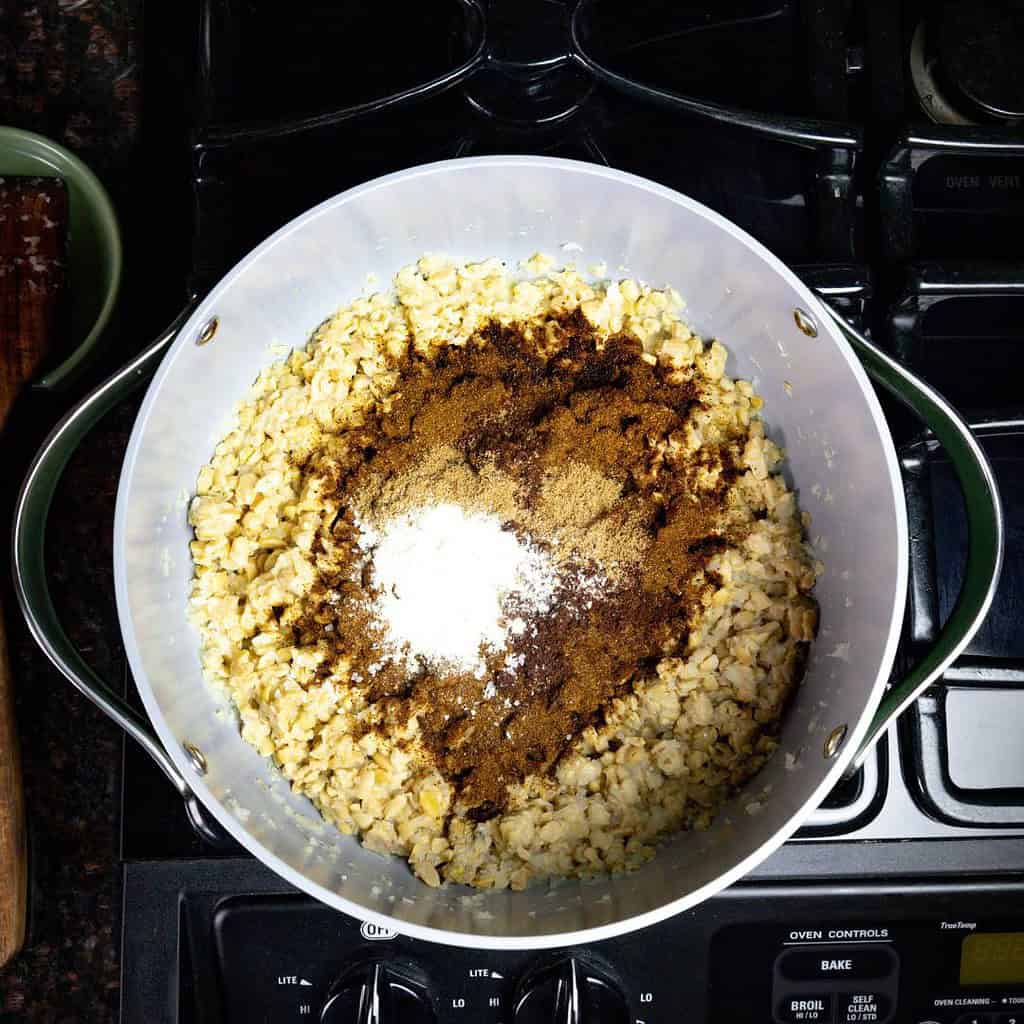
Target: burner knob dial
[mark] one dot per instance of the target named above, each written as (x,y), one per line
(570,991)
(375,992)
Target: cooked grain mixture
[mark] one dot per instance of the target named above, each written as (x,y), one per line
(649,607)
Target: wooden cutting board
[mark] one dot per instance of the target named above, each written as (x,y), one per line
(33,238)
(13,847)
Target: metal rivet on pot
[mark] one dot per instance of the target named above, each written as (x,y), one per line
(835,741)
(196,756)
(207,331)
(805,322)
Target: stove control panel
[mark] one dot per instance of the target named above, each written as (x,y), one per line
(287,959)
(945,971)
(855,984)
(747,957)
(393,990)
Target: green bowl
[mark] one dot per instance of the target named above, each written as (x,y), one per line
(94,240)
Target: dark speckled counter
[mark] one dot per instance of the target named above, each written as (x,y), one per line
(71,754)
(69,970)
(86,96)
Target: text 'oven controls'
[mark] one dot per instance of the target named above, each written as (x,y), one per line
(569,991)
(378,992)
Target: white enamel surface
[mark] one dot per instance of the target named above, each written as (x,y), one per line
(818,403)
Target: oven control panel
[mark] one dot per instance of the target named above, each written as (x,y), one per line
(852,983)
(753,955)
(940,971)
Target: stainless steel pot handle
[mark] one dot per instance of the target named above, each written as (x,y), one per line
(984,527)
(30,515)
(984,555)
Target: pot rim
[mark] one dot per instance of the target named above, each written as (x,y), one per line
(476,940)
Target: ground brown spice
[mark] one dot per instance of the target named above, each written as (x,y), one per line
(571,444)
(576,512)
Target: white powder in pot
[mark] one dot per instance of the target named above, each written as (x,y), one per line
(444,574)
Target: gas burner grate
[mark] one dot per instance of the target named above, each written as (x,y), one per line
(504,76)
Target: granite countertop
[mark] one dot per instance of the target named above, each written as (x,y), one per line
(71,755)
(69,969)
(74,71)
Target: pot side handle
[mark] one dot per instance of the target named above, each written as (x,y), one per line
(984,527)
(29,570)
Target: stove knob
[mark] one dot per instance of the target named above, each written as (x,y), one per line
(378,992)
(569,991)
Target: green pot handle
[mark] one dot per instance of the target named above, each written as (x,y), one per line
(984,528)
(29,570)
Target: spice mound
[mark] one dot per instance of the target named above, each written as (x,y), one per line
(503,575)
(516,542)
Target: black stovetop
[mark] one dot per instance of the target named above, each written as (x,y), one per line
(813,126)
